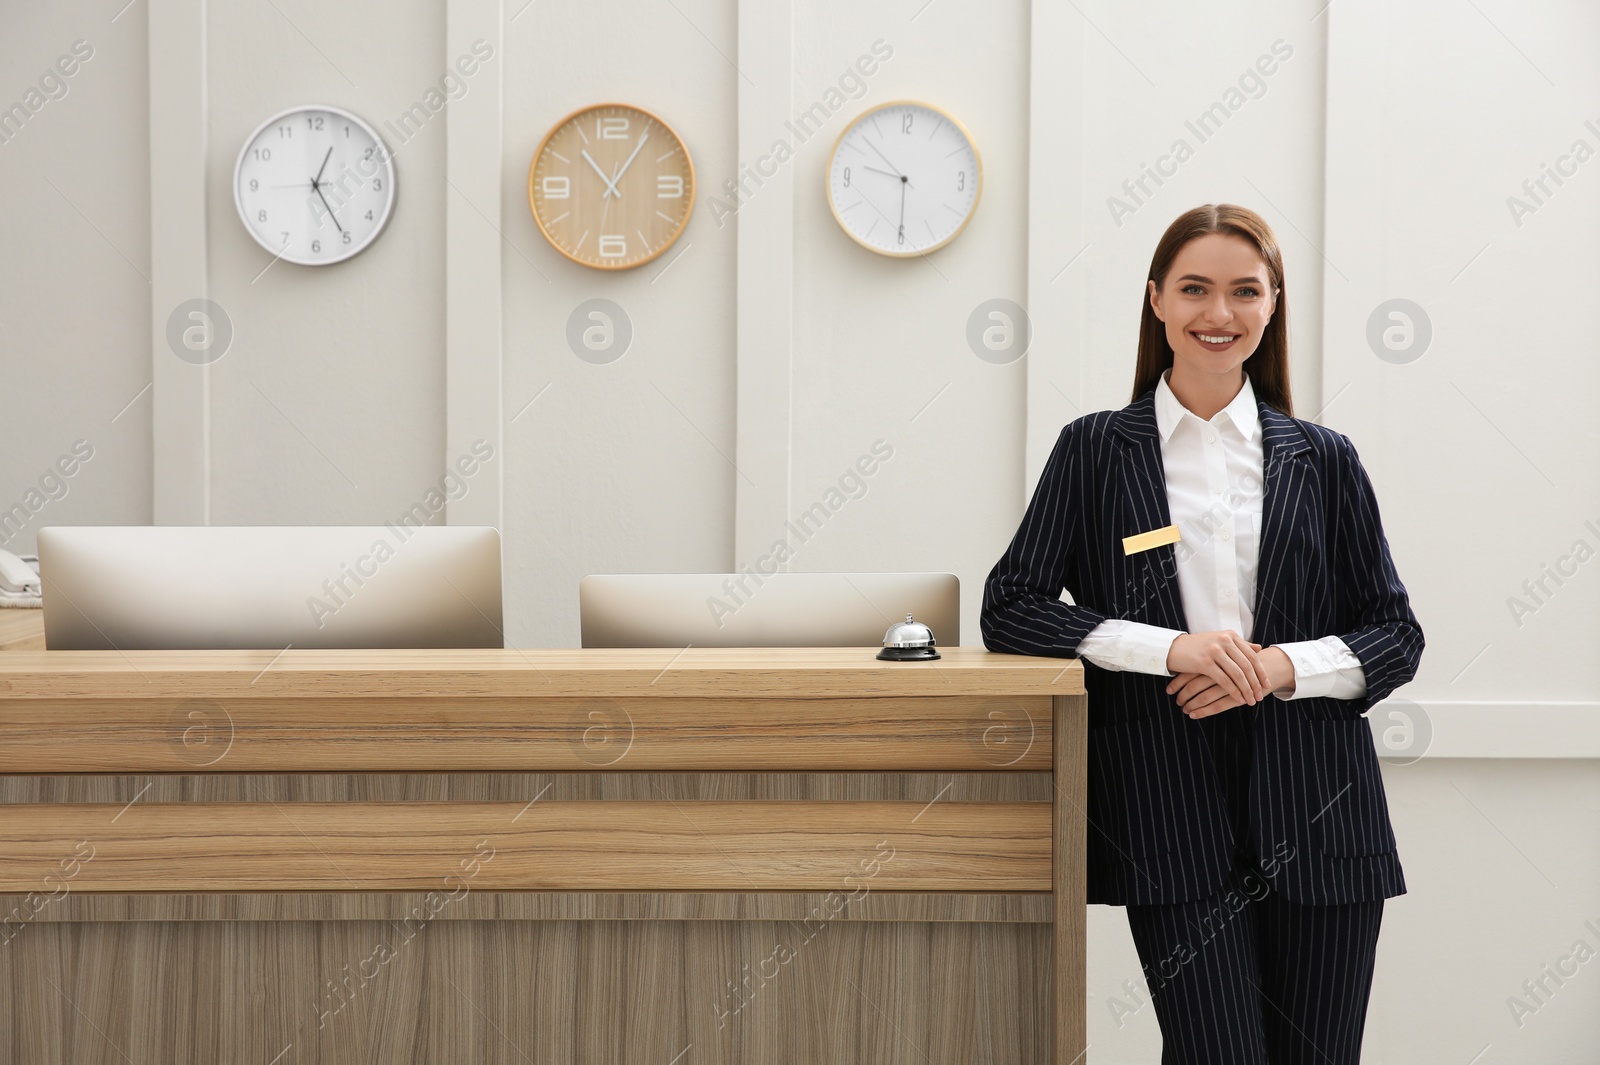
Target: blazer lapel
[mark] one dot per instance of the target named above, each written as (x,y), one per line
(1286,467)
(1152,595)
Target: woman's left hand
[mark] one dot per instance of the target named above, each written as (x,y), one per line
(1199,696)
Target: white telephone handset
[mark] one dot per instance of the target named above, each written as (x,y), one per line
(16,576)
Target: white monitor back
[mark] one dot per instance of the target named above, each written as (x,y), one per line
(202,587)
(765,610)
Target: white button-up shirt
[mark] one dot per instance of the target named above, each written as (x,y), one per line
(1214,495)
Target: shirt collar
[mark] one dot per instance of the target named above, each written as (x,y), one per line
(1241,409)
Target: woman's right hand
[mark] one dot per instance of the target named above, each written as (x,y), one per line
(1227,658)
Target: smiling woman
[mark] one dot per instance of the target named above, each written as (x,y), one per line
(1228,752)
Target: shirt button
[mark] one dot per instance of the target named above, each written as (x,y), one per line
(1227,593)
(1216,490)
(1211,438)
(1227,534)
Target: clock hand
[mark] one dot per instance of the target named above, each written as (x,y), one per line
(885,158)
(590,160)
(885,173)
(902,230)
(642,138)
(330,208)
(316,182)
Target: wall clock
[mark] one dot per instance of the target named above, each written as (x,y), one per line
(611,186)
(314,185)
(904,179)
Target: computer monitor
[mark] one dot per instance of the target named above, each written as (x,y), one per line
(763,610)
(190,588)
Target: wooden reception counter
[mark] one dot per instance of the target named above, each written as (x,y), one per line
(600,857)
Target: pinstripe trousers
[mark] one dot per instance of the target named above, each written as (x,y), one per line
(1244,976)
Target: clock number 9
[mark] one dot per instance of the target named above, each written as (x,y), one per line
(846,177)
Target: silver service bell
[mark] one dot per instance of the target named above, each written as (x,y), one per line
(908,641)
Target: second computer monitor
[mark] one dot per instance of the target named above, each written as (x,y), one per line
(763,610)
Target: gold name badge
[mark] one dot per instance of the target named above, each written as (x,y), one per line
(1132,545)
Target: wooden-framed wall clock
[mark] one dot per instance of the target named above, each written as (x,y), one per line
(904,179)
(314,185)
(611,186)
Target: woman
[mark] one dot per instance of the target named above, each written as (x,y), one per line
(1236,603)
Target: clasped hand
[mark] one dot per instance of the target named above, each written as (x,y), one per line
(1218,671)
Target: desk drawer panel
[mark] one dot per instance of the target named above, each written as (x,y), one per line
(1005,733)
(454,847)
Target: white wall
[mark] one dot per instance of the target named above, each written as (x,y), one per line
(773,351)
(329,406)
(621,466)
(74,274)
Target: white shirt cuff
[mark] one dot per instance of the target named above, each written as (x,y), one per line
(1325,667)
(1132,646)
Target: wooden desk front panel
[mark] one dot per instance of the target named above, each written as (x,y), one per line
(711,921)
(464,973)
(526,992)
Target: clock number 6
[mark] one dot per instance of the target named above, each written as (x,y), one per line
(613,246)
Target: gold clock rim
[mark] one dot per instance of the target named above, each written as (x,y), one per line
(827,188)
(560,125)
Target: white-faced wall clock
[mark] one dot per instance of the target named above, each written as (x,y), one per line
(611,186)
(314,185)
(904,179)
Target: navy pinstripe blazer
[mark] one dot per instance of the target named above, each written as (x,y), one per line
(1159,831)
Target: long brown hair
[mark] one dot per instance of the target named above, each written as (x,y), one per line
(1268,365)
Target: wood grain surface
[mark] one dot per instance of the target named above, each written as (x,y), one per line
(538,846)
(628,733)
(479,905)
(520,788)
(1070,878)
(22,629)
(772,672)
(654,857)
(519,993)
